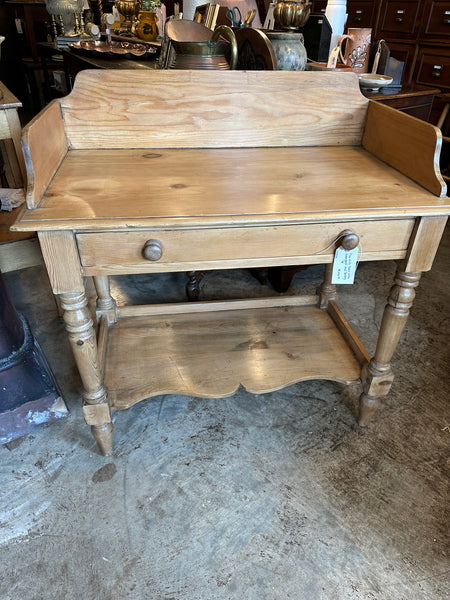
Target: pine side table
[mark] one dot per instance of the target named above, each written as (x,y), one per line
(158,171)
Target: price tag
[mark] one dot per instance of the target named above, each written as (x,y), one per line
(333,58)
(344,265)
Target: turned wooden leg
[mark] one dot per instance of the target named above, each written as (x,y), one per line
(377,376)
(193,284)
(106,305)
(327,290)
(96,409)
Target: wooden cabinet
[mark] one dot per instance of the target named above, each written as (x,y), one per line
(24,23)
(28,23)
(438,22)
(361,13)
(399,18)
(432,67)
(417,32)
(413,100)
(318,6)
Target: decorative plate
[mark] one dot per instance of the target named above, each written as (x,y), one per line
(115,49)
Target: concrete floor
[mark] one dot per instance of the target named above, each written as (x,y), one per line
(271,497)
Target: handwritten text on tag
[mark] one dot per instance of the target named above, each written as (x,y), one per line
(344,265)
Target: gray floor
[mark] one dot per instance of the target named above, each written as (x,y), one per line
(270,497)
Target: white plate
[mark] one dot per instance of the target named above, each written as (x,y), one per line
(373,81)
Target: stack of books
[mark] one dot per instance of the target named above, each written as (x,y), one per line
(207,15)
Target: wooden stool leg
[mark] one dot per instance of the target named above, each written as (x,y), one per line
(106,305)
(327,290)
(377,376)
(96,409)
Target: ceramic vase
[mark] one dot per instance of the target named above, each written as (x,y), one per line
(289,50)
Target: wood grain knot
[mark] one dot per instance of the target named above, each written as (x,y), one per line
(151,155)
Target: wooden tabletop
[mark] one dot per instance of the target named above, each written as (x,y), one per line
(202,187)
(405,91)
(7,98)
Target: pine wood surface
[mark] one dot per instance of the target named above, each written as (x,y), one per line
(408,144)
(45,135)
(176,109)
(227,169)
(211,354)
(61,260)
(425,241)
(348,333)
(7,98)
(20,254)
(167,188)
(177,308)
(4,126)
(122,252)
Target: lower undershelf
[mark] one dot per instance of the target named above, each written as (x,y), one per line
(210,354)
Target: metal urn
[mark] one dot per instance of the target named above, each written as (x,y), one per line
(291,14)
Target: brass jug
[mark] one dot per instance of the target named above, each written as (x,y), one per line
(210,54)
(147,29)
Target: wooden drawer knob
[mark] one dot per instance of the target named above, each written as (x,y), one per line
(349,240)
(152,250)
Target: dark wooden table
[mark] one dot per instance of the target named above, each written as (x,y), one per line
(416,100)
(75,62)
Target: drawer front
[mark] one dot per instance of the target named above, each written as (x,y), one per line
(123,252)
(417,106)
(433,68)
(439,20)
(318,7)
(400,17)
(420,112)
(360,14)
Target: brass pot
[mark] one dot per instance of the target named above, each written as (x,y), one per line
(209,54)
(291,14)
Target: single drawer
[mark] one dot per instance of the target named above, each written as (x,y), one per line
(319,6)
(439,19)
(433,68)
(400,16)
(417,106)
(191,249)
(360,14)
